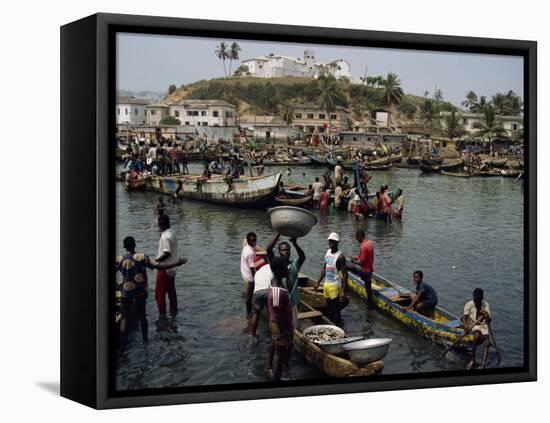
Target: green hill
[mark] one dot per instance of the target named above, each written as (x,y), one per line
(263,96)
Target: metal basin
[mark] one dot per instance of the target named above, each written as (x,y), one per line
(367,350)
(337,347)
(293,222)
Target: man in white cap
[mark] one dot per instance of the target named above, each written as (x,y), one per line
(335,275)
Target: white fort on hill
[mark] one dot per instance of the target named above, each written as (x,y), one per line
(276,65)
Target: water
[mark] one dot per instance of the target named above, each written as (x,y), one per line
(462,233)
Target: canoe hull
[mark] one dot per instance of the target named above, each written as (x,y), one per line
(439,332)
(296,202)
(302,162)
(246,192)
(329,364)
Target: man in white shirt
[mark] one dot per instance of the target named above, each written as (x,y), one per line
(262,282)
(317,186)
(477,310)
(247,268)
(166,279)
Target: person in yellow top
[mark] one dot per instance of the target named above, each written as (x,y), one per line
(335,276)
(474,310)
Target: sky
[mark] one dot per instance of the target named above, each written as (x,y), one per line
(153,62)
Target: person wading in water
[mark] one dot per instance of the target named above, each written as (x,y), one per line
(166,279)
(280,317)
(133,267)
(335,275)
(363,263)
(294,267)
(248,256)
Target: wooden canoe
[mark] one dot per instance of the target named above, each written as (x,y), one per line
(455,174)
(396,158)
(431,162)
(498,162)
(298,162)
(247,191)
(331,365)
(296,202)
(511,173)
(370,167)
(487,173)
(430,168)
(134,184)
(444,329)
(451,165)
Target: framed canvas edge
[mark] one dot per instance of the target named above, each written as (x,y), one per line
(105,24)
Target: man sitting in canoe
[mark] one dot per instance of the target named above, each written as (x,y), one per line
(473,311)
(279,308)
(424,300)
(335,275)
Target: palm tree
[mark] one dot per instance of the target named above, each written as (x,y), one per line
(329,94)
(392,93)
(480,106)
(222,53)
(453,126)
(428,112)
(233,54)
(288,112)
(471,100)
(499,101)
(490,128)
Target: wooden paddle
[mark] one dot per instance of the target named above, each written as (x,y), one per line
(466,332)
(494,342)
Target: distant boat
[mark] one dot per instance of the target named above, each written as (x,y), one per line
(287,162)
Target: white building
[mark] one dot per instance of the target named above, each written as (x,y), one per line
(156,112)
(130,110)
(204,112)
(473,122)
(276,65)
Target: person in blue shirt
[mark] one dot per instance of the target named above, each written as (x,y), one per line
(133,286)
(424,300)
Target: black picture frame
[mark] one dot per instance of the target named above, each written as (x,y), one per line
(87,206)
